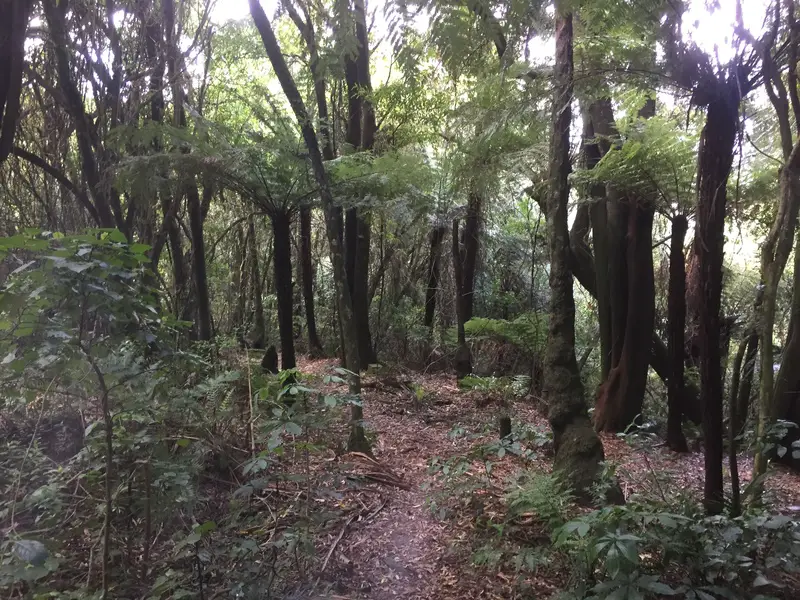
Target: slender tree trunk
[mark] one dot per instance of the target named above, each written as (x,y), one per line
(744,389)
(314,345)
(237,283)
(282,260)
(257,335)
(714,166)
(434,255)
(463,357)
(360,297)
(677,326)
(578,451)
(361,128)
(199,275)
(470,240)
(774,256)
(14,18)
(333,220)
(617,212)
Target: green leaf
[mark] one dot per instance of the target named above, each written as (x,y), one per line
(629,551)
(761,581)
(206,527)
(31,551)
(659,588)
(293,428)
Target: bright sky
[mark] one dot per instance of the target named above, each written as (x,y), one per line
(711,30)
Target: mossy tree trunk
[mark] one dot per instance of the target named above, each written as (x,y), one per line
(621,396)
(578,451)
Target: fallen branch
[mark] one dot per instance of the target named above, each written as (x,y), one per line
(334,544)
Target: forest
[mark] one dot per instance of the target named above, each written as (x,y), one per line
(421,299)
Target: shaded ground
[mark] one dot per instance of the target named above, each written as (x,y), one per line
(396,546)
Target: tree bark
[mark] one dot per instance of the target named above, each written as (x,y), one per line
(676,308)
(307,271)
(578,451)
(282,261)
(787,381)
(470,241)
(463,357)
(434,256)
(714,165)
(620,399)
(774,256)
(257,334)
(14,24)
(199,275)
(599,130)
(584,271)
(361,127)
(237,283)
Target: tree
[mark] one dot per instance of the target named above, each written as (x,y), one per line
(778,244)
(333,220)
(577,447)
(677,327)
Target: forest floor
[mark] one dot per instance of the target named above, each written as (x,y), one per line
(409,540)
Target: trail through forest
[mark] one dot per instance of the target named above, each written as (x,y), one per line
(403,540)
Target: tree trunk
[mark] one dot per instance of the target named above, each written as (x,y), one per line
(282,260)
(199,276)
(714,165)
(599,130)
(257,334)
(584,271)
(333,219)
(676,308)
(774,255)
(620,399)
(360,297)
(463,357)
(617,215)
(237,283)
(14,18)
(470,241)
(361,129)
(434,255)
(745,387)
(787,382)
(578,451)
(307,270)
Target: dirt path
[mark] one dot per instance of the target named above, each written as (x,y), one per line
(397,547)
(400,549)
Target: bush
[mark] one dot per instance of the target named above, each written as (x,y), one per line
(645,550)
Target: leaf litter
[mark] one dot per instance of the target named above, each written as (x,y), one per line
(395,543)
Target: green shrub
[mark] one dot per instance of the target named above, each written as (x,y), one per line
(644,550)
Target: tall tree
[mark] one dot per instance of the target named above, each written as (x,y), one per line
(578,451)
(333,220)
(780,239)
(676,322)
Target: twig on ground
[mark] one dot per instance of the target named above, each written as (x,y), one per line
(334,544)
